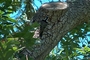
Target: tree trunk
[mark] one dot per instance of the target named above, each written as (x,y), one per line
(60,22)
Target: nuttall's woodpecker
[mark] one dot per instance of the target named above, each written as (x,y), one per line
(43,24)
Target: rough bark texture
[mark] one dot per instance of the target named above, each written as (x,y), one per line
(59,23)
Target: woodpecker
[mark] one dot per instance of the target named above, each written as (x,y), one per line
(43,25)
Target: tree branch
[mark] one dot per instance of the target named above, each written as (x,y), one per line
(61,20)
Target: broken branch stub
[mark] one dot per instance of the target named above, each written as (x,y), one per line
(50,13)
(55,6)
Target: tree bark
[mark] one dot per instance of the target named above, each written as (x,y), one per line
(60,23)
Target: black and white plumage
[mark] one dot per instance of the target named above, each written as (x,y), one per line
(42,19)
(43,24)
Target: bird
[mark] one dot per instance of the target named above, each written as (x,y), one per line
(42,19)
(43,24)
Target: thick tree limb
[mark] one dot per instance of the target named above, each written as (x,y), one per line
(60,21)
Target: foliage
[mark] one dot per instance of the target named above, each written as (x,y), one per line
(14,33)
(17,33)
(8,46)
(73,46)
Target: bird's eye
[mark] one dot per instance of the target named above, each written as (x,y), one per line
(46,18)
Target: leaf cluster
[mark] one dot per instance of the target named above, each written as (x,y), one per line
(14,33)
